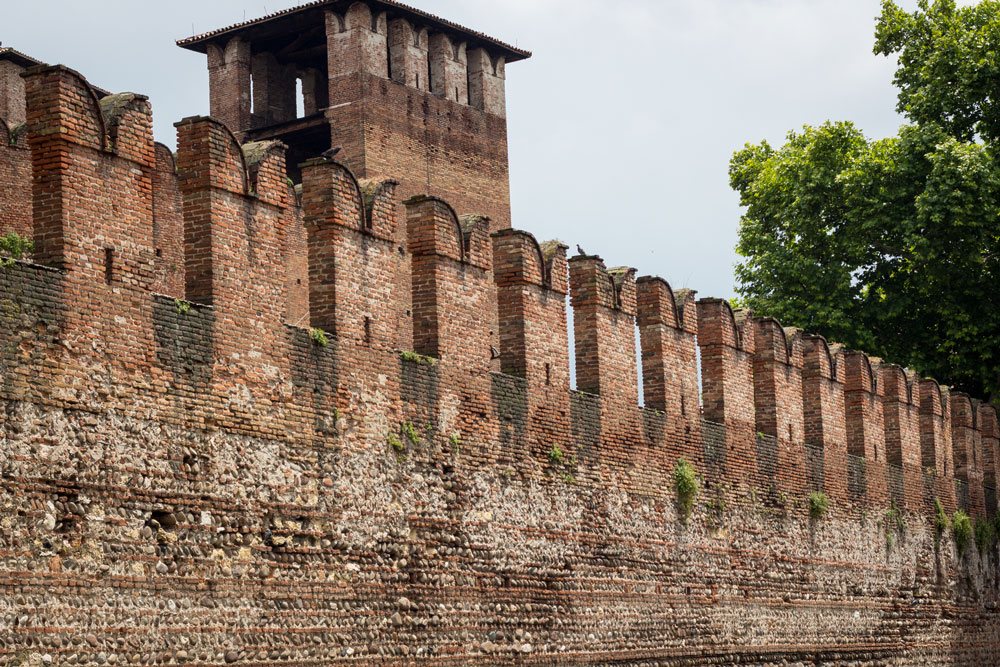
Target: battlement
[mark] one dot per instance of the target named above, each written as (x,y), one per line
(368,373)
(384,274)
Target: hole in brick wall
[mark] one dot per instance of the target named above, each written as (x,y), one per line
(298,281)
(402,251)
(368,331)
(300,99)
(109,265)
(683,406)
(548,374)
(159,252)
(162,519)
(418,81)
(456,94)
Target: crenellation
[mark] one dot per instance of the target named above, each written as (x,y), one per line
(356,43)
(863,400)
(487,82)
(779,405)
(409,54)
(449,68)
(352,254)
(727,351)
(901,414)
(668,328)
(967,450)
(935,440)
(452,283)
(824,375)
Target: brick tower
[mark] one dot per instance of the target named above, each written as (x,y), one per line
(402,93)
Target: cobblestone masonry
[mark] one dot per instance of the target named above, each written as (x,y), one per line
(191,473)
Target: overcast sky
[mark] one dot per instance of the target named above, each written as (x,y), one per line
(621,125)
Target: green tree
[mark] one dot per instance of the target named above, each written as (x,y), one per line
(892,246)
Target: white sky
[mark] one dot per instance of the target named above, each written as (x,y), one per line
(621,125)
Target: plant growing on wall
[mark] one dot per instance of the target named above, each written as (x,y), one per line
(819,505)
(319,337)
(416,358)
(410,431)
(556,455)
(895,526)
(941,520)
(686,487)
(396,443)
(986,535)
(13,247)
(961,527)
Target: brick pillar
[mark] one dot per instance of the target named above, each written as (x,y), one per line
(668,329)
(449,69)
(967,451)
(867,475)
(989,435)
(273,91)
(452,284)
(824,413)
(935,442)
(901,415)
(531,296)
(224,256)
(777,370)
(352,254)
(408,54)
(356,43)
(604,309)
(487,84)
(73,142)
(92,166)
(229,83)
(726,340)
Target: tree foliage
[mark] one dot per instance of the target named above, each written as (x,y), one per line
(892,245)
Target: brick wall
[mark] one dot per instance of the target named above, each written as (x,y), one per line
(15,180)
(268,498)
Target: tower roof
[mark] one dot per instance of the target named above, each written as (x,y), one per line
(290,20)
(18,58)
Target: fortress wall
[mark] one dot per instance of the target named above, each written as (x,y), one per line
(397,495)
